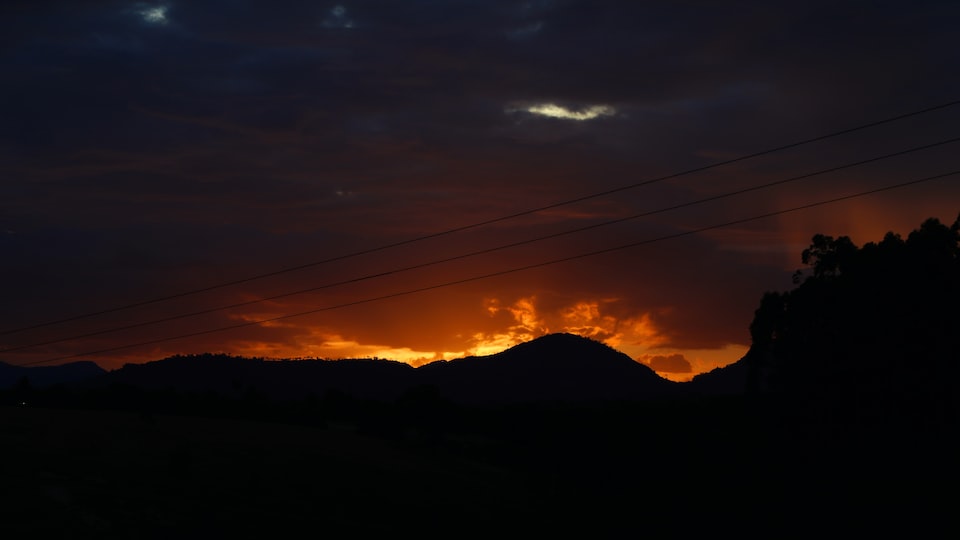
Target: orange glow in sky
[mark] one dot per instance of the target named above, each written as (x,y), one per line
(636,336)
(426,188)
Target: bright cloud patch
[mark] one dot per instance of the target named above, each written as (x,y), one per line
(527,326)
(155,15)
(584,319)
(552,110)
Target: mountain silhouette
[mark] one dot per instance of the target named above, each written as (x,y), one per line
(729,380)
(278,379)
(555,367)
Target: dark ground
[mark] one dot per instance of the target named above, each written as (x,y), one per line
(682,468)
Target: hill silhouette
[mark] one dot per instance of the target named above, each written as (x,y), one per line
(234,376)
(556,367)
(729,380)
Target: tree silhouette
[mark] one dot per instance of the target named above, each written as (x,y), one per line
(829,257)
(869,329)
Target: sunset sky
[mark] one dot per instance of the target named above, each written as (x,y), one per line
(151,149)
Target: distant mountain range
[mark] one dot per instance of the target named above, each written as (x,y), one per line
(555,367)
(44,376)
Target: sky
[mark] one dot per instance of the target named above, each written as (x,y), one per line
(426,180)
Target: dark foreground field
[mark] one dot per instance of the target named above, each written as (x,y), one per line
(668,469)
(100,473)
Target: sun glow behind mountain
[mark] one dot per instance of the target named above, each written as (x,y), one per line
(636,336)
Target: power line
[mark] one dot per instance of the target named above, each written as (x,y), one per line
(487,250)
(498,273)
(478,224)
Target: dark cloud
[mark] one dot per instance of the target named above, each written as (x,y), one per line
(147,152)
(674,363)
